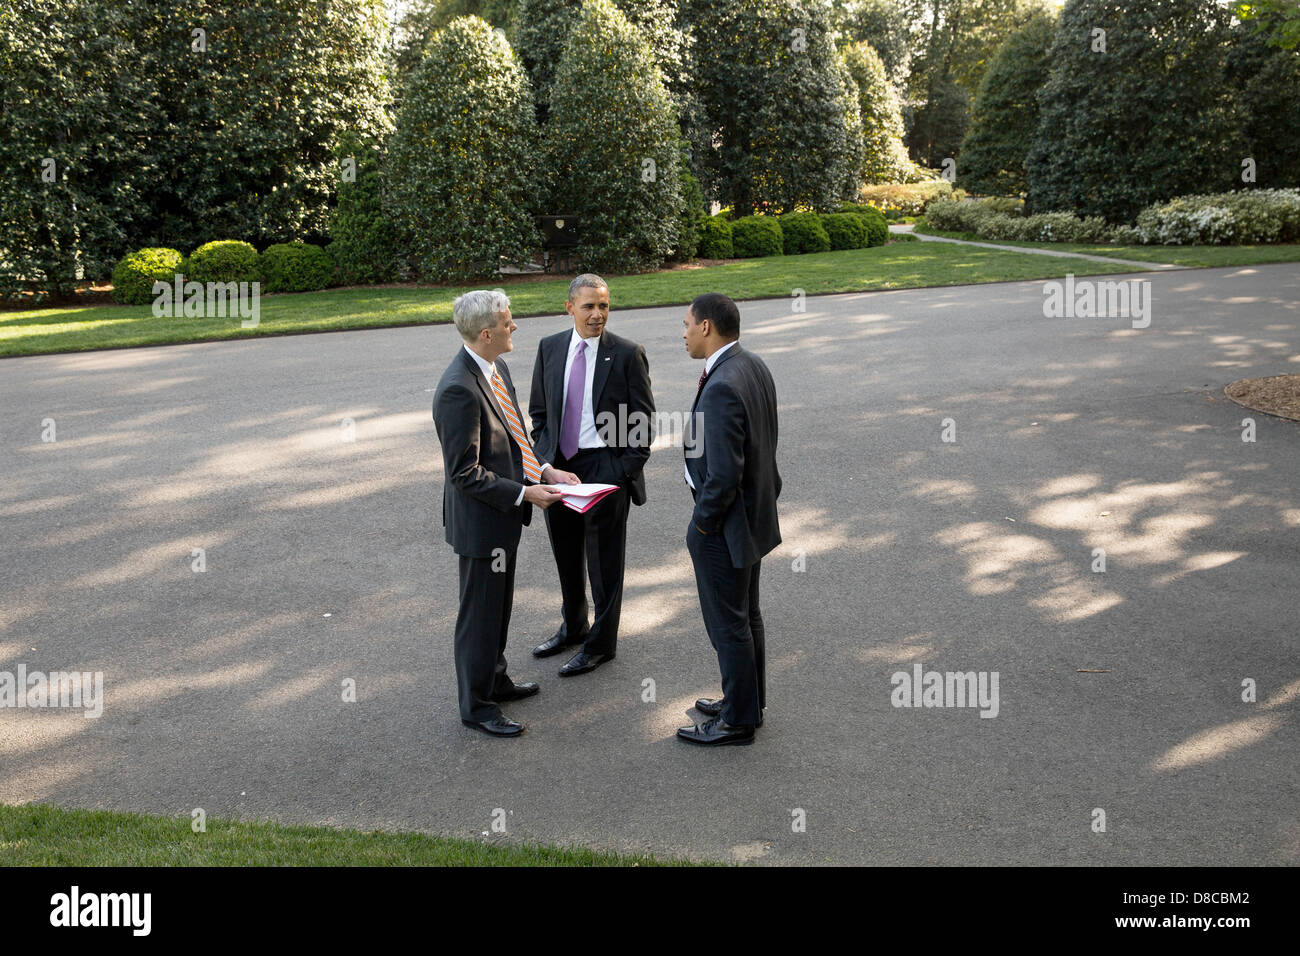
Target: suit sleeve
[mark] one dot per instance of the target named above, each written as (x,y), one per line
(457,417)
(641,402)
(722,424)
(537,399)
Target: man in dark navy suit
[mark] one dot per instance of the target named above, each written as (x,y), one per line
(731,471)
(491,480)
(591,407)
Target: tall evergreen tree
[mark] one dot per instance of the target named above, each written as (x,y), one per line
(613,144)
(462,172)
(1004,116)
(1266,75)
(1147,119)
(769,133)
(885,158)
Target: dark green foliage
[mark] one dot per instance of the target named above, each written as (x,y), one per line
(423,18)
(885,158)
(939,124)
(768,129)
(1148,119)
(613,145)
(803,232)
(1004,116)
(753,236)
(366,245)
(846,230)
(224,260)
(715,238)
(134,276)
(156,143)
(462,166)
(877,228)
(1266,78)
(542,27)
(882,24)
(76,107)
(693,210)
(295,267)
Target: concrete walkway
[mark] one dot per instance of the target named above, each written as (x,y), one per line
(1152,266)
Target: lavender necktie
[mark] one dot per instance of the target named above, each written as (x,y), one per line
(573,404)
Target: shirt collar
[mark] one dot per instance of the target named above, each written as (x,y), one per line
(712,360)
(489,368)
(591,343)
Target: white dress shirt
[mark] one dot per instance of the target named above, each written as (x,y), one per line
(709,362)
(588,437)
(490,369)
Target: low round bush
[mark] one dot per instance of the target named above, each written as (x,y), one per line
(295,267)
(877,228)
(846,230)
(134,276)
(225,260)
(754,236)
(803,232)
(715,238)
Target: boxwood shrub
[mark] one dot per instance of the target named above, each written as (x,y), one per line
(295,267)
(134,276)
(715,238)
(803,232)
(224,261)
(754,236)
(846,230)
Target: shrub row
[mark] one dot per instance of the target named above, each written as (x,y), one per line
(1243,216)
(853,227)
(285,267)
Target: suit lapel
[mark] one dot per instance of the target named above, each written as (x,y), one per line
(604,361)
(559,356)
(722,360)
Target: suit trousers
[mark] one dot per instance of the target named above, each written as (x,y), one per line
(487,593)
(592,544)
(729,603)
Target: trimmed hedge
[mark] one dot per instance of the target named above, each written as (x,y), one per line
(987,223)
(134,276)
(755,236)
(803,232)
(295,267)
(715,238)
(224,261)
(846,230)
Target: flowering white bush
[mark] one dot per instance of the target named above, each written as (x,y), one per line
(1243,216)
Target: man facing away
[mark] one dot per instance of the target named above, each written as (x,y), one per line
(731,471)
(591,407)
(491,480)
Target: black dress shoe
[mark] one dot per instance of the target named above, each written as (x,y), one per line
(717,732)
(555,645)
(713,707)
(501,726)
(582,662)
(518,692)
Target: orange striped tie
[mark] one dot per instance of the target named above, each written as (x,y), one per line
(531,468)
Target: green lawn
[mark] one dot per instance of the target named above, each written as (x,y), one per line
(1195,256)
(39,835)
(902,265)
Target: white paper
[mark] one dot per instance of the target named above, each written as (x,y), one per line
(582,491)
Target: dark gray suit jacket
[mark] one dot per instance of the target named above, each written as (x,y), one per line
(483,469)
(733,426)
(621,381)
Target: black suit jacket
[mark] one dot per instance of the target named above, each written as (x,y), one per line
(733,427)
(620,395)
(483,470)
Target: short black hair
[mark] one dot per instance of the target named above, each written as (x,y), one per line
(720,310)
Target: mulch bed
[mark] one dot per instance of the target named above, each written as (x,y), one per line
(1276,395)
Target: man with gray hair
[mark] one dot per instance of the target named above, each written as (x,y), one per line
(491,480)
